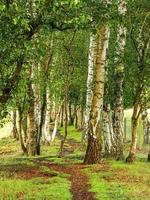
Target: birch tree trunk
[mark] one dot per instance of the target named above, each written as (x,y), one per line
(32,133)
(70,118)
(56,123)
(80,118)
(65,124)
(139,96)
(107,118)
(46,131)
(67,84)
(146,127)
(61,117)
(119,79)
(14,132)
(22,143)
(24,127)
(107,130)
(135,116)
(32,124)
(94,147)
(89,87)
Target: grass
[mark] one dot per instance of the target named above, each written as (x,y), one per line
(37,188)
(20,178)
(23,178)
(117,180)
(72,133)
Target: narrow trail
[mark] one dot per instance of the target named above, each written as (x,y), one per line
(79,181)
(80,185)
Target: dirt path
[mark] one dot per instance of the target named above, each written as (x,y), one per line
(79,181)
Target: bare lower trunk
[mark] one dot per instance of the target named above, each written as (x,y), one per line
(94,147)
(93,155)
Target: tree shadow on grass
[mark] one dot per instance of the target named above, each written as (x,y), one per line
(23,171)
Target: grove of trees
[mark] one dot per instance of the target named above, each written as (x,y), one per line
(75,62)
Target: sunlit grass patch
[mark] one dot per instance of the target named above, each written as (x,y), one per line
(118,180)
(72,133)
(38,188)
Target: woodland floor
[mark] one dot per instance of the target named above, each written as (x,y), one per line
(49,177)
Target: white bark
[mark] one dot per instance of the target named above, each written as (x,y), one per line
(146,127)
(107,130)
(94,147)
(56,123)
(46,127)
(89,85)
(37,99)
(119,78)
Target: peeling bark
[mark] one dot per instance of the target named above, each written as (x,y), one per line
(119,79)
(89,86)
(94,147)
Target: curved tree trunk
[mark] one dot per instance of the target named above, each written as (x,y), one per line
(56,123)
(94,147)
(135,116)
